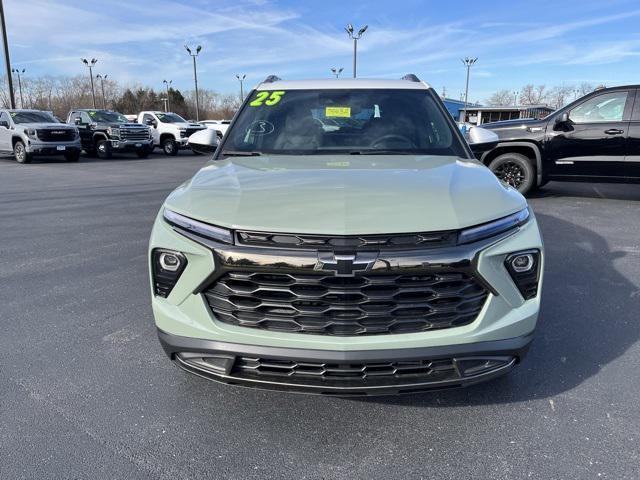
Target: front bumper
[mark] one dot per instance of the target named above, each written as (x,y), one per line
(501,332)
(334,372)
(52,148)
(131,145)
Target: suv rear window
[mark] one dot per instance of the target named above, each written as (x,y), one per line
(344,121)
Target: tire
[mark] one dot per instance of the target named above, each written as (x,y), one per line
(142,153)
(515,170)
(103,148)
(72,156)
(20,152)
(170,147)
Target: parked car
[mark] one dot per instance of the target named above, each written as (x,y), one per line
(220,126)
(594,139)
(378,258)
(203,142)
(169,130)
(27,133)
(104,132)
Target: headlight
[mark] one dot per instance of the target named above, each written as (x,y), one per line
(31,133)
(197,227)
(496,227)
(113,132)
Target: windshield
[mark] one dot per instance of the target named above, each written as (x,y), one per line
(107,116)
(33,117)
(344,121)
(170,118)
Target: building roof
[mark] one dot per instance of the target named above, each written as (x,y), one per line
(342,83)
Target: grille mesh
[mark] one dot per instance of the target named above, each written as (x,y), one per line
(360,305)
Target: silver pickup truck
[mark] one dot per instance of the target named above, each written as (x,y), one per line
(27,133)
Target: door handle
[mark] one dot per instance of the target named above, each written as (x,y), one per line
(614,131)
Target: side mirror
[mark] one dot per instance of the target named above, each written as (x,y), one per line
(4,124)
(150,122)
(481,140)
(77,121)
(203,142)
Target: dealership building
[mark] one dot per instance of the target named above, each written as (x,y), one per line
(478,115)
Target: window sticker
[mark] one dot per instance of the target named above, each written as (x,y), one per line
(92,113)
(344,112)
(13,114)
(267,98)
(261,127)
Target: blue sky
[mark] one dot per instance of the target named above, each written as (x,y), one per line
(141,41)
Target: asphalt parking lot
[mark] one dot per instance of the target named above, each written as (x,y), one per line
(87,392)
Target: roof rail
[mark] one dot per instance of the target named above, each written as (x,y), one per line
(410,77)
(271,79)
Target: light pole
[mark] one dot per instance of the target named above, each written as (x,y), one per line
(91,64)
(195,77)
(104,99)
(167,84)
(355,37)
(7,61)
(337,71)
(18,72)
(241,80)
(515,98)
(468,62)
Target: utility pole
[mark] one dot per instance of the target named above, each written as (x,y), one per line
(167,104)
(91,64)
(7,61)
(468,62)
(355,37)
(241,80)
(195,77)
(444,92)
(104,99)
(18,72)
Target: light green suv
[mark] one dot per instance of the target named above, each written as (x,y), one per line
(343,240)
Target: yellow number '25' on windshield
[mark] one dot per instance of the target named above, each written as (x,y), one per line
(267,98)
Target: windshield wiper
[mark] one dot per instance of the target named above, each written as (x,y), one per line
(240,153)
(382,152)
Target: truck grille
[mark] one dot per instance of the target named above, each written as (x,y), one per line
(134,133)
(366,304)
(189,131)
(56,134)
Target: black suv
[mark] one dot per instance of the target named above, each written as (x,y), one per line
(596,138)
(103,132)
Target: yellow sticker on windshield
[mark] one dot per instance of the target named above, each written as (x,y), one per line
(344,112)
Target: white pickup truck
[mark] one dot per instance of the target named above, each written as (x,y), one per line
(169,130)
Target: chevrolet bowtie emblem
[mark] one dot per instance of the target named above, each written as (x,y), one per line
(346,265)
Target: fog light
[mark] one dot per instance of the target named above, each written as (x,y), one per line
(524,268)
(169,261)
(522,263)
(166,267)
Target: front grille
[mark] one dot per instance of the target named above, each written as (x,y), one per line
(56,135)
(366,304)
(360,242)
(304,370)
(134,133)
(189,131)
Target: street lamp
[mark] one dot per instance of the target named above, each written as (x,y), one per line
(468,62)
(7,61)
(91,64)
(167,84)
(104,99)
(241,80)
(355,37)
(337,71)
(18,72)
(515,98)
(195,76)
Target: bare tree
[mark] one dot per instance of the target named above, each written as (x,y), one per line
(501,98)
(533,95)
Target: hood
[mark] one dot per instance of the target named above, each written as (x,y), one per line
(345,194)
(187,125)
(49,126)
